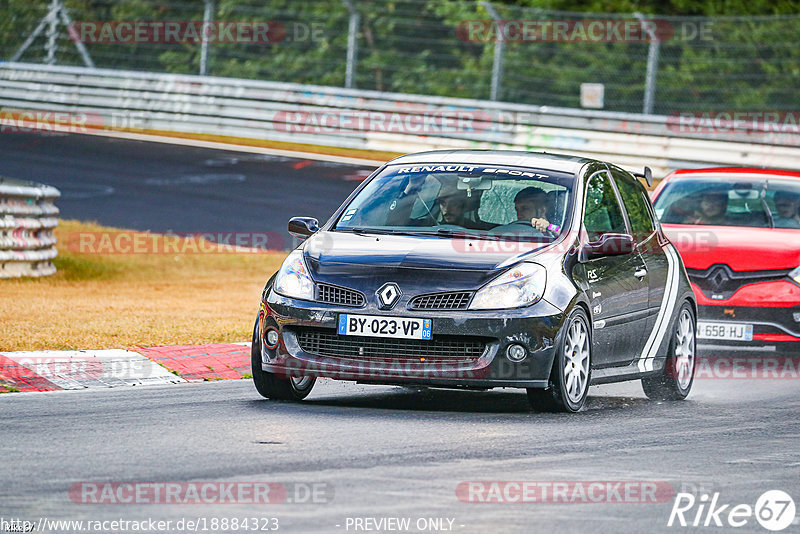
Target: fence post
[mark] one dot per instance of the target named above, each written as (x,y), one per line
(52,33)
(209,9)
(497,64)
(352,43)
(56,11)
(652,65)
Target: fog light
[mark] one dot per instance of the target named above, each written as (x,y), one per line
(516,353)
(272,338)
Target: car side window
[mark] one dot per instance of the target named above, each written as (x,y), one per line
(603,214)
(633,197)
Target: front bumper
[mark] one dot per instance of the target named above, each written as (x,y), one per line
(536,328)
(772,308)
(779,326)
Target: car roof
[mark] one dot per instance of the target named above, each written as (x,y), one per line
(738,171)
(515,158)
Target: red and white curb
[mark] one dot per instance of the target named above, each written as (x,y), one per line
(58,370)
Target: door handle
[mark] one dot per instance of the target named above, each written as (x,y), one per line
(640,273)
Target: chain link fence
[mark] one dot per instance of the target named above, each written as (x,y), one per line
(622,62)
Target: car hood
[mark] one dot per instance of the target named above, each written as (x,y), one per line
(441,264)
(741,248)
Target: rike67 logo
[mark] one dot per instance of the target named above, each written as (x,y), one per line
(774,510)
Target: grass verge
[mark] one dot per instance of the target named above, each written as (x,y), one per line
(101,301)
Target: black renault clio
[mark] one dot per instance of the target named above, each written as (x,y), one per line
(482,269)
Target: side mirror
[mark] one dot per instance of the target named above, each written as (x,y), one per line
(647,175)
(610,245)
(302,227)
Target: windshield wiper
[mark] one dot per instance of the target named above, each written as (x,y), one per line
(363,231)
(440,232)
(381,231)
(447,232)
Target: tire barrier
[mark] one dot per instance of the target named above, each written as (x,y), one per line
(27,219)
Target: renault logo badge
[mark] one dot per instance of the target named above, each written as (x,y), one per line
(388,295)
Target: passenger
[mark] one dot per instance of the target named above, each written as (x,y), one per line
(787,205)
(453,208)
(713,208)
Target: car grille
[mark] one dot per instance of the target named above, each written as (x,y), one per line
(442,301)
(721,281)
(440,349)
(330,294)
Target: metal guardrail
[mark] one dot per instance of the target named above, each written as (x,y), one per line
(27,219)
(186,104)
(630,62)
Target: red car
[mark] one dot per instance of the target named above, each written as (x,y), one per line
(738,231)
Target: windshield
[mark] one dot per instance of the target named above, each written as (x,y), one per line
(731,201)
(492,202)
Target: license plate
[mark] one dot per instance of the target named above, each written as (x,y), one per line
(729,331)
(380,326)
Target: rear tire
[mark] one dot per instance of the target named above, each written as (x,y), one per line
(271,386)
(676,379)
(572,369)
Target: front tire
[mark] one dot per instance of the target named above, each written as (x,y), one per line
(675,381)
(269,385)
(572,369)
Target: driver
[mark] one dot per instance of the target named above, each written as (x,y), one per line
(531,205)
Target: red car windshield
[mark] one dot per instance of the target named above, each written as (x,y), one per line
(731,201)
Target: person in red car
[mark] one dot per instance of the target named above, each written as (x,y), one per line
(787,206)
(713,208)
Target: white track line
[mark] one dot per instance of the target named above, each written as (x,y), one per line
(235,147)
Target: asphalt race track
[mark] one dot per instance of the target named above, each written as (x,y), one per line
(171,188)
(393,452)
(370,452)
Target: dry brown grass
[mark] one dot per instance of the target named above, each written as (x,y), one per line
(98,301)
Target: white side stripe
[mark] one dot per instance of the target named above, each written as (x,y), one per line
(664,318)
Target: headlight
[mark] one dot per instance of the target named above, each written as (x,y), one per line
(795,275)
(293,279)
(521,285)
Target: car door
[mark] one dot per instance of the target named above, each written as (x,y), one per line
(616,284)
(654,261)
